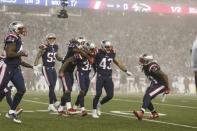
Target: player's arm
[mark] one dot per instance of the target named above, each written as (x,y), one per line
(58,57)
(11,51)
(40,53)
(25,64)
(65,65)
(164,77)
(81,52)
(122,67)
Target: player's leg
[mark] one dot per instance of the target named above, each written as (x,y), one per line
(151,93)
(55,101)
(83,92)
(51,81)
(52,77)
(67,82)
(99,86)
(18,81)
(195,78)
(8,95)
(4,79)
(109,88)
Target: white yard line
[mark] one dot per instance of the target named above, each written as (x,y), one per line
(181,106)
(112,114)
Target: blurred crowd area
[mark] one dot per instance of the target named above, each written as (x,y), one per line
(168,38)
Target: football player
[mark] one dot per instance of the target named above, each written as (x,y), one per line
(194,61)
(82,75)
(159,84)
(66,74)
(103,61)
(49,54)
(10,68)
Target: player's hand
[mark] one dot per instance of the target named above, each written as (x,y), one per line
(61,74)
(23,53)
(167,91)
(129,73)
(35,68)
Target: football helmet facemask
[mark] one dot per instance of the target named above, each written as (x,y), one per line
(82,41)
(51,38)
(106,46)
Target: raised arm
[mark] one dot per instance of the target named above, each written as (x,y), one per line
(40,53)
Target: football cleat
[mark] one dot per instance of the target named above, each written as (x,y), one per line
(75,107)
(94,113)
(62,113)
(13,117)
(52,108)
(138,114)
(84,113)
(71,111)
(154,115)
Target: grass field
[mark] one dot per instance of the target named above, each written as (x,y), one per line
(179,113)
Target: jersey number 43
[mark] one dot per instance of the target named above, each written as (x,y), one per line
(106,63)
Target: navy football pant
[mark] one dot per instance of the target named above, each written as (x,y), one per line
(51,78)
(84,83)
(107,83)
(6,93)
(150,94)
(13,74)
(67,83)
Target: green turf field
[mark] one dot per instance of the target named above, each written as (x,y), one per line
(179,113)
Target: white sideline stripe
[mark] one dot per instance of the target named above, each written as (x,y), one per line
(43,103)
(181,106)
(112,114)
(156,121)
(129,113)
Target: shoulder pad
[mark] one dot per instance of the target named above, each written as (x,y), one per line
(154,67)
(11,38)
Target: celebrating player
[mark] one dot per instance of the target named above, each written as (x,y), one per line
(49,54)
(103,60)
(159,84)
(66,74)
(10,68)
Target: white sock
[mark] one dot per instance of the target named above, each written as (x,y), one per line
(68,105)
(99,105)
(12,111)
(94,111)
(61,108)
(83,109)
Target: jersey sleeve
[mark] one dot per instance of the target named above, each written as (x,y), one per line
(154,67)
